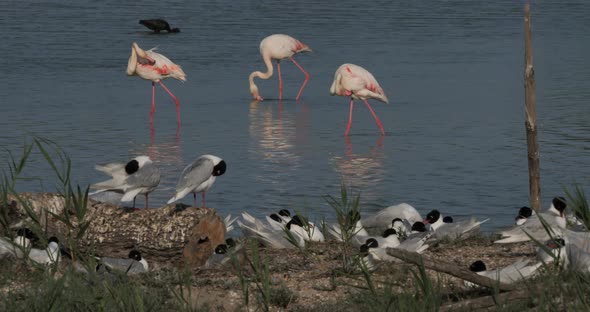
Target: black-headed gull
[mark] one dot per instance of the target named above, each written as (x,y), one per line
(448,219)
(138,176)
(198,177)
(280,220)
(387,239)
(46,256)
(553,249)
(514,272)
(458,230)
(24,237)
(267,234)
(372,251)
(418,227)
(351,218)
(554,218)
(401,226)
(434,218)
(305,229)
(134,263)
(524,213)
(223,253)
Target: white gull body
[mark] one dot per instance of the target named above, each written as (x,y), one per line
(199,176)
(138,176)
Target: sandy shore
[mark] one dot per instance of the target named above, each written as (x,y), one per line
(314,277)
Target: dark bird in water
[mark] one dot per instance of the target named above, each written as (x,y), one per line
(158,25)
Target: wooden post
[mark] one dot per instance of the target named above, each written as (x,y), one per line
(531,115)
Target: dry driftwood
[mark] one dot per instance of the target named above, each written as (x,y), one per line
(167,235)
(448,268)
(488,302)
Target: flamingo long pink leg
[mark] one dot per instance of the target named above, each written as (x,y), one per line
(153,103)
(349,117)
(177,132)
(176,101)
(376,118)
(280,80)
(146,200)
(203,195)
(304,82)
(348,146)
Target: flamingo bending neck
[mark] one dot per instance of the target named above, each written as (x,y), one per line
(269,71)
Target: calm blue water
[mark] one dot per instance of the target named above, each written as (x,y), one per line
(451,69)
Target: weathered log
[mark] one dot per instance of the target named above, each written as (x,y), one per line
(488,302)
(444,267)
(170,235)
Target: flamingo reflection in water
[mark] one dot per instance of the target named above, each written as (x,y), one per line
(363,171)
(278,132)
(276,136)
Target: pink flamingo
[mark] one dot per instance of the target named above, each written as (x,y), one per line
(356,82)
(154,66)
(278,47)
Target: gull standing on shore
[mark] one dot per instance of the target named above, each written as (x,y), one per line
(198,177)
(138,176)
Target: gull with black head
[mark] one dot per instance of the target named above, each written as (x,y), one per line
(46,256)
(198,177)
(138,176)
(524,213)
(434,218)
(134,263)
(24,237)
(520,269)
(536,226)
(382,219)
(223,253)
(278,221)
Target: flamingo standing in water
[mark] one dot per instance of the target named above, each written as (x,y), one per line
(278,47)
(356,82)
(154,66)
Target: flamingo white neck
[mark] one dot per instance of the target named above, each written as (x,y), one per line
(269,71)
